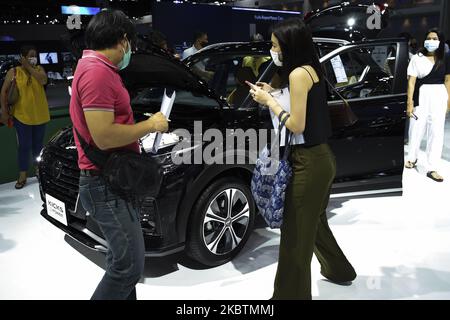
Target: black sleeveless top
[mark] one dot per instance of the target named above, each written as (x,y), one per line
(438,73)
(318,123)
(436,76)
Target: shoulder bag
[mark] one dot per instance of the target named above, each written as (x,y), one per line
(129,175)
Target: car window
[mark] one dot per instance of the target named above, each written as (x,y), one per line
(324,48)
(226,75)
(363,71)
(154,96)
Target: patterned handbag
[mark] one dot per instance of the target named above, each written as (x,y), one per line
(270,179)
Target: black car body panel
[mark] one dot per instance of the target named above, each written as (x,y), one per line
(369,154)
(334,21)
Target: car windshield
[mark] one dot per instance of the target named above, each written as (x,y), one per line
(226,74)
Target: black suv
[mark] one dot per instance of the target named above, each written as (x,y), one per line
(207,209)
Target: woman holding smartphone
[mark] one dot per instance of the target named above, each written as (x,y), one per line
(428,101)
(305,227)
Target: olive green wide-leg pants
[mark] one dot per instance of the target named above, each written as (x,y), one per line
(305,227)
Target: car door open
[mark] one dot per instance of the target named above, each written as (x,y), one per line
(371,76)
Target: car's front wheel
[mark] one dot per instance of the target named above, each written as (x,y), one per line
(221,222)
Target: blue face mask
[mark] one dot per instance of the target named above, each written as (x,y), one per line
(432,45)
(126,58)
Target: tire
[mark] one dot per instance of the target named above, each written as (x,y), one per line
(209,241)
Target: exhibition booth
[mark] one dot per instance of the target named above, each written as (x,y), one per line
(201,192)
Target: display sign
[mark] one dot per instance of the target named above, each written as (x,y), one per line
(56,209)
(48,58)
(87,11)
(339,70)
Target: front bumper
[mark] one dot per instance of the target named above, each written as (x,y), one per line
(89,239)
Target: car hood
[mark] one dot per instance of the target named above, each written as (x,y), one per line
(149,68)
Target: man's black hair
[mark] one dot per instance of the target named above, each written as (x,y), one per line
(107,28)
(158,38)
(198,35)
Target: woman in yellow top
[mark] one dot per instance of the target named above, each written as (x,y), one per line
(30,113)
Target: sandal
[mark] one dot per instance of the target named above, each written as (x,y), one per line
(433,175)
(410,165)
(20,184)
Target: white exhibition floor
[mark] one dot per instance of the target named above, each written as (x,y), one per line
(399,246)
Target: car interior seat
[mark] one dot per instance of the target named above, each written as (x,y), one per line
(242,89)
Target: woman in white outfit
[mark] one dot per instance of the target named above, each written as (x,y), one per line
(428,102)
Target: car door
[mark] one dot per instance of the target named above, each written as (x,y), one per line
(371,76)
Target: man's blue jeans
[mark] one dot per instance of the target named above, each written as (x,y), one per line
(121,229)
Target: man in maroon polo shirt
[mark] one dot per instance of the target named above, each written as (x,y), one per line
(101,112)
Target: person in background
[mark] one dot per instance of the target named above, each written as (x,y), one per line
(249,71)
(101,113)
(200,41)
(255,62)
(257,37)
(30,113)
(412,43)
(413,46)
(305,228)
(160,40)
(428,102)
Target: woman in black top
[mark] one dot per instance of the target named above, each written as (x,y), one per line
(305,228)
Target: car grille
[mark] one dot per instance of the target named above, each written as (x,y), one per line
(149,217)
(59,175)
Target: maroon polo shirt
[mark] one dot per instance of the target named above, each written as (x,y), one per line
(97,86)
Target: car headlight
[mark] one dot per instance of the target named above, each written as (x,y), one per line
(39,158)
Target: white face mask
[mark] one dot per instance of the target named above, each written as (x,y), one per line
(432,45)
(276,57)
(33,61)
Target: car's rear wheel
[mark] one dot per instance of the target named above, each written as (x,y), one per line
(221,222)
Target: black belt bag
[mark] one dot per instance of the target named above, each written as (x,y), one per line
(133,174)
(130,175)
